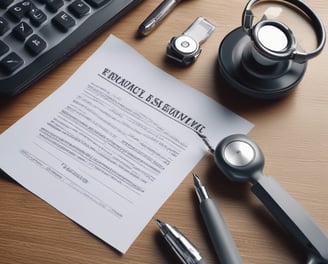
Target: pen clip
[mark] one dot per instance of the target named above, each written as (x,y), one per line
(156,16)
(183,248)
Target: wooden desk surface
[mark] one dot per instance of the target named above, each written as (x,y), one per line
(293,133)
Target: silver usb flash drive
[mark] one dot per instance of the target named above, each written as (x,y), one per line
(185,48)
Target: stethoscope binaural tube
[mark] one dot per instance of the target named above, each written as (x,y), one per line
(292,53)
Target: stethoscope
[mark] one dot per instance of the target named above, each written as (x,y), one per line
(263,60)
(241,160)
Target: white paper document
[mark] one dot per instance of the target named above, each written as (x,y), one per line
(109,146)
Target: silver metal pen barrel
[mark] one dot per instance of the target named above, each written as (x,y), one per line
(157,16)
(183,248)
(222,241)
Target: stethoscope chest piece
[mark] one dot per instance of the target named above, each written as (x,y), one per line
(241,160)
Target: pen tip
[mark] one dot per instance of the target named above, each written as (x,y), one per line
(159,222)
(196,179)
(199,188)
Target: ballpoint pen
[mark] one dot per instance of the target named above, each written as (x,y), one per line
(222,241)
(157,16)
(183,248)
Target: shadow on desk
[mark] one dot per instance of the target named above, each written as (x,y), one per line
(5,176)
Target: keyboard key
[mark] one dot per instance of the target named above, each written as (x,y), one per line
(11,62)
(19,10)
(26,4)
(63,21)
(16,12)
(3,48)
(54,5)
(37,16)
(35,44)
(97,3)
(4,26)
(22,31)
(79,9)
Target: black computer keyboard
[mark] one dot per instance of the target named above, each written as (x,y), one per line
(37,35)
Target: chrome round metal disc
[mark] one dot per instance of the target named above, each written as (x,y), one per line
(273,38)
(239,153)
(186,44)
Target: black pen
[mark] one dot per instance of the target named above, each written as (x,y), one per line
(222,241)
(183,248)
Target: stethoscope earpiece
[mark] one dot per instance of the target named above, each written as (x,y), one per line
(262,60)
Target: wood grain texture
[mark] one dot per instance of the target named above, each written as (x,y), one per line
(293,133)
